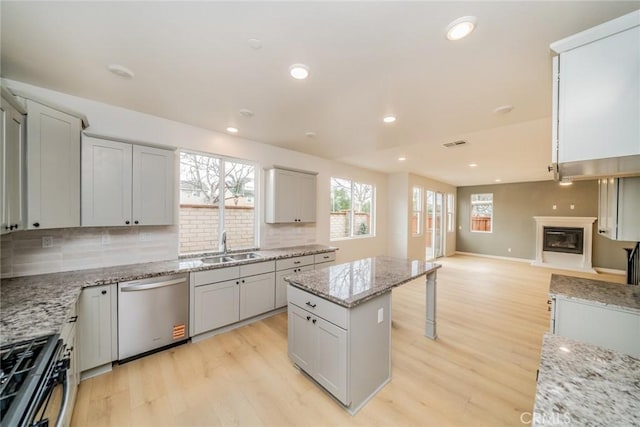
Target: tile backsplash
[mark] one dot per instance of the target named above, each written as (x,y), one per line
(283,235)
(46,251)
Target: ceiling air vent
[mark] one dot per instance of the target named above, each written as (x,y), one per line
(454,143)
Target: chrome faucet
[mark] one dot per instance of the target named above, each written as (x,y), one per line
(223,242)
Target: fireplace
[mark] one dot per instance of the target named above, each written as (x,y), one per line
(563,239)
(564,242)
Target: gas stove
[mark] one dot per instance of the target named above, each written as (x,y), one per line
(25,373)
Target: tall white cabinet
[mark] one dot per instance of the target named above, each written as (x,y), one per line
(97,329)
(12,165)
(291,196)
(618,207)
(53,168)
(126,184)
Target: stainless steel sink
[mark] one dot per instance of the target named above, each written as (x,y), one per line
(216,259)
(244,256)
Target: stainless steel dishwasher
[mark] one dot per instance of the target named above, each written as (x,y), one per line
(152,314)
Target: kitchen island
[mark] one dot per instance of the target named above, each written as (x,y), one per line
(339,324)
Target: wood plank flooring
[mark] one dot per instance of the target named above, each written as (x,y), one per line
(481,371)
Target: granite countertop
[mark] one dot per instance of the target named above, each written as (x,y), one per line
(625,297)
(31,306)
(358,281)
(586,385)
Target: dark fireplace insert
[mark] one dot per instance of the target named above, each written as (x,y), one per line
(563,239)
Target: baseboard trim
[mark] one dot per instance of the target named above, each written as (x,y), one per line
(610,271)
(506,258)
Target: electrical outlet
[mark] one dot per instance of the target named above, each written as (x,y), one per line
(555,207)
(572,207)
(106,238)
(47,242)
(508,249)
(380,315)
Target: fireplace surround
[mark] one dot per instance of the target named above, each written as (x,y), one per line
(564,242)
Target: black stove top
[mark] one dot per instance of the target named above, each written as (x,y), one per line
(21,368)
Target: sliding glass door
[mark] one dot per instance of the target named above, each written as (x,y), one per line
(434,229)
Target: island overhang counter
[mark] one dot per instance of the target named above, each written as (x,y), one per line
(339,323)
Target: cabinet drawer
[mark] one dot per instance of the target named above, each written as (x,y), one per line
(283,264)
(257,268)
(215,275)
(326,257)
(329,311)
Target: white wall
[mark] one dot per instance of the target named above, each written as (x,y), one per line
(109,120)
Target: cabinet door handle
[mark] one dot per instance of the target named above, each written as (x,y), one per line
(549,308)
(36,224)
(73,319)
(602,231)
(135,222)
(127,222)
(237,282)
(549,301)
(308,318)
(103,292)
(311,305)
(242,280)
(314,321)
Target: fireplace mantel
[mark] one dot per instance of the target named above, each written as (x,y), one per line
(566,261)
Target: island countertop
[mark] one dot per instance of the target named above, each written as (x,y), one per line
(625,297)
(355,282)
(586,385)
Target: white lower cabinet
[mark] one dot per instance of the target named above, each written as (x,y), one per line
(324,260)
(256,295)
(223,296)
(334,345)
(281,284)
(97,310)
(216,305)
(593,323)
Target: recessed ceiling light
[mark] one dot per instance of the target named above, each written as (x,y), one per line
(389,119)
(402,158)
(231,129)
(461,27)
(255,43)
(299,71)
(310,134)
(246,112)
(473,165)
(120,70)
(503,109)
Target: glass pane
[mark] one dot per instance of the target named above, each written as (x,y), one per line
(362,209)
(451,210)
(482,212)
(199,202)
(340,208)
(239,205)
(416,217)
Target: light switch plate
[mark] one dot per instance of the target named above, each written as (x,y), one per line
(380,315)
(47,242)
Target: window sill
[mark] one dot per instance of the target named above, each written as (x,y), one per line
(368,236)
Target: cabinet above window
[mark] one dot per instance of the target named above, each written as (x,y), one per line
(291,196)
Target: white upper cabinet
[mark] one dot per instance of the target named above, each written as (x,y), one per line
(126,184)
(597,99)
(53,168)
(291,196)
(152,185)
(12,209)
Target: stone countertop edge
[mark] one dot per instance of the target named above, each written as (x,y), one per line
(583,384)
(32,306)
(618,295)
(366,296)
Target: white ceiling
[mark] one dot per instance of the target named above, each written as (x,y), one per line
(193,64)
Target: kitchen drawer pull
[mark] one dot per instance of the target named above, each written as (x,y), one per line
(73,319)
(297,262)
(326,257)
(311,305)
(138,287)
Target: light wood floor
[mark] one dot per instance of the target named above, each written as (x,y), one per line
(481,371)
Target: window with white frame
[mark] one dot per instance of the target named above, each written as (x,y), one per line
(216,194)
(352,209)
(482,212)
(451,213)
(417,209)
